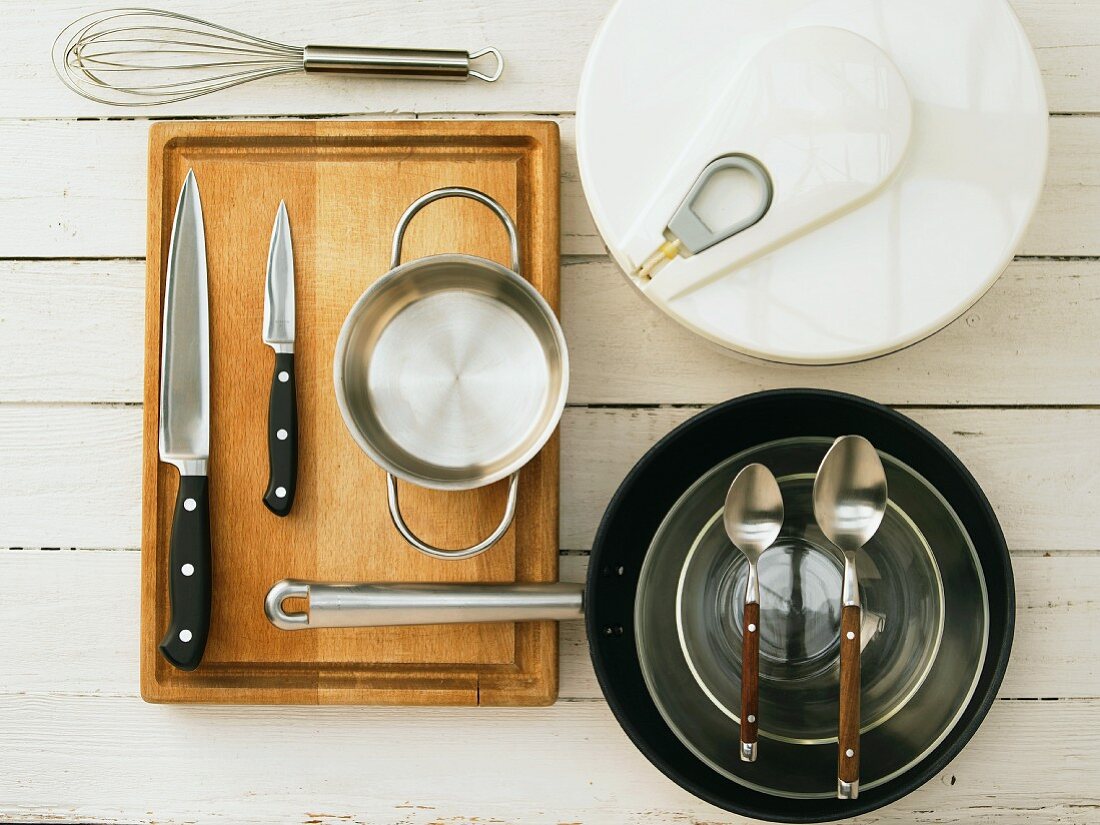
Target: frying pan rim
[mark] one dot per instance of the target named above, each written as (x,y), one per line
(614,681)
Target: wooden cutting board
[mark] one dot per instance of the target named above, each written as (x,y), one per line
(345,185)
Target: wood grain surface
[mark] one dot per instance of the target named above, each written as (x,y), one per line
(750,673)
(345,186)
(848,723)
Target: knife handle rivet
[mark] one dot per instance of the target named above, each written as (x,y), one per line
(284,376)
(189,504)
(188,569)
(281,435)
(185,635)
(280,492)
(851,635)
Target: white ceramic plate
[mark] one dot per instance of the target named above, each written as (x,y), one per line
(878,253)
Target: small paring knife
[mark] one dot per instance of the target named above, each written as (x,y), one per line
(184,436)
(282,411)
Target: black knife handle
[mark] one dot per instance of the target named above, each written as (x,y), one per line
(189,575)
(282,437)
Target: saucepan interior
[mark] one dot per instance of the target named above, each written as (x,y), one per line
(451,372)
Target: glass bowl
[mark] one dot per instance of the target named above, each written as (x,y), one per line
(924,634)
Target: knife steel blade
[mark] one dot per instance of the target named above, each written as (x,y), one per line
(278,333)
(184,436)
(279,289)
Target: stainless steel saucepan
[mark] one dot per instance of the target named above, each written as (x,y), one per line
(451,372)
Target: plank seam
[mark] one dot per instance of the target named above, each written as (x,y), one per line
(567,259)
(562,700)
(375,113)
(563,552)
(642,406)
(638,407)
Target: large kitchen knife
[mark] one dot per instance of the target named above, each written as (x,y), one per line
(282,410)
(185,430)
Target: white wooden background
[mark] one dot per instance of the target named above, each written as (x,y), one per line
(1013,387)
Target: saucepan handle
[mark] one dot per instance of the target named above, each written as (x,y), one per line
(455,192)
(439,552)
(387,605)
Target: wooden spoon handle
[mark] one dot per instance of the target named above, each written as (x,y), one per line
(848,729)
(750,681)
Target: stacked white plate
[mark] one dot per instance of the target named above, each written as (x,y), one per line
(906,144)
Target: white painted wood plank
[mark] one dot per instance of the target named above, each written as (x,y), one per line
(1065,222)
(72,474)
(111,759)
(544,44)
(1057,627)
(1030,340)
(78,614)
(73,189)
(1039,468)
(73,332)
(78,610)
(1064,34)
(78,189)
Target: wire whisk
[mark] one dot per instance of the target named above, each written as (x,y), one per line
(150,57)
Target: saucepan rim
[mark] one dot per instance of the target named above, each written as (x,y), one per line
(533,443)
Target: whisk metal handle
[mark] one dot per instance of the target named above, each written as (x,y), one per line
(407,63)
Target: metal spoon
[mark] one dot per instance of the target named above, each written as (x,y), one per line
(849,502)
(753,517)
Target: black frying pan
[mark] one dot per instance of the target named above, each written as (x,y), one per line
(625,535)
(653,487)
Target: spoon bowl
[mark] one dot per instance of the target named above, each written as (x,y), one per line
(753,515)
(850,493)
